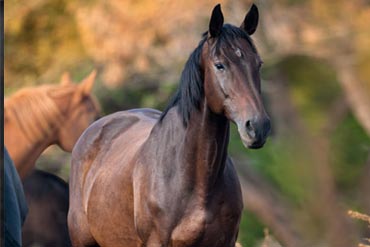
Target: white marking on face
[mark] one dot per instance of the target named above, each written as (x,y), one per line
(238,52)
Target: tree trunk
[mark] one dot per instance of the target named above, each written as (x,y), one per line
(356,93)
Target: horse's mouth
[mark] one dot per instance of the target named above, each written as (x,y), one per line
(250,143)
(256,145)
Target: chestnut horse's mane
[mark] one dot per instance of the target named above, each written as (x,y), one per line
(34,110)
(190,91)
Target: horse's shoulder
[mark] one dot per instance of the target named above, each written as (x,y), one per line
(108,128)
(113,124)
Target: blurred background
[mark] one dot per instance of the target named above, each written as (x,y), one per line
(316,84)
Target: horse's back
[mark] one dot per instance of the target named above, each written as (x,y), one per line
(104,131)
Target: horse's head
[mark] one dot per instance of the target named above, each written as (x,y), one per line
(231,67)
(79,108)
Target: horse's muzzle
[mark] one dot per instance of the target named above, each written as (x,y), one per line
(255,132)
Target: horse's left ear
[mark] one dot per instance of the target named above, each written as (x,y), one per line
(216,22)
(66,79)
(251,20)
(88,83)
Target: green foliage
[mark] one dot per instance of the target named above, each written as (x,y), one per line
(293,2)
(139,91)
(313,86)
(45,43)
(251,229)
(283,162)
(350,149)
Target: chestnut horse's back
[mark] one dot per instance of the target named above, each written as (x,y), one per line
(93,159)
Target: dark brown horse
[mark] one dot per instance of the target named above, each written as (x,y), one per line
(146,178)
(48,202)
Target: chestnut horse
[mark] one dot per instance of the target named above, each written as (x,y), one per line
(146,178)
(35,118)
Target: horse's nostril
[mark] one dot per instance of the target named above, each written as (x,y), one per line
(249,125)
(250,129)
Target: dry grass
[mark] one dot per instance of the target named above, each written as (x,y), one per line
(363,217)
(269,241)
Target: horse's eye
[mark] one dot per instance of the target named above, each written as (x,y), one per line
(260,64)
(219,66)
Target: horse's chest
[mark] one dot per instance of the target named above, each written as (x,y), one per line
(214,226)
(190,229)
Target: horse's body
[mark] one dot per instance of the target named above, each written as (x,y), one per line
(194,216)
(146,178)
(35,118)
(48,201)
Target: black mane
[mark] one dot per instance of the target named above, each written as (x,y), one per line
(191,91)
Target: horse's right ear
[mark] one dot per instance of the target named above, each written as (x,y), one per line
(251,20)
(216,22)
(65,79)
(88,82)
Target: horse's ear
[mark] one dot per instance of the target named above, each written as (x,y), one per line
(65,79)
(216,22)
(88,83)
(251,20)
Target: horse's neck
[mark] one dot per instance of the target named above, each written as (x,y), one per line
(207,138)
(201,147)
(24,152)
